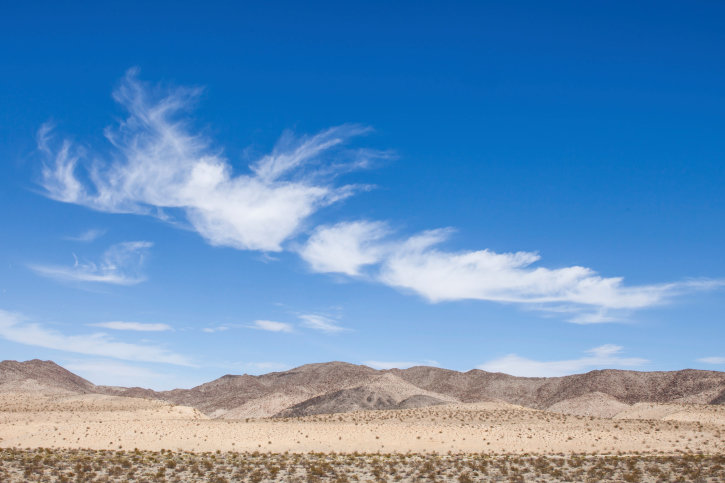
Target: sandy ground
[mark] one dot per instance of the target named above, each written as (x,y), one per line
(109,422)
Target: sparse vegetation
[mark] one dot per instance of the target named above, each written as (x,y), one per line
(65,465)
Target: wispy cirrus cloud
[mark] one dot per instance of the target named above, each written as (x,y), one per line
(321,323)
(603,357)
(712,360)
(417,264)
(158,166)
(121,264)
(318,322)
(15,328)
(133,326)
(266,325)
(271,326)
(87,236)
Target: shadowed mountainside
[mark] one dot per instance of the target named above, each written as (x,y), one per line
(541,392)
(336,387)
(386,391)
(303,382)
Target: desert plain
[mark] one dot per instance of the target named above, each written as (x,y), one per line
(105,422)
(59,434)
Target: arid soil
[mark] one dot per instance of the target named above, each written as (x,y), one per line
(111,422)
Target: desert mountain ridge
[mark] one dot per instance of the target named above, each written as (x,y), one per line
(340,387)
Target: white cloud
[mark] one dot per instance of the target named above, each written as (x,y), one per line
(398,365)
(602,357)
(311,321)
(158,164)
(507,277)
(87,236)
(345,247)
(321,323)
(271,326)
(585,315)
(712,360)
(417,264)
(135,326)
(59,178)
(268,325)
(120,265)
(14,328)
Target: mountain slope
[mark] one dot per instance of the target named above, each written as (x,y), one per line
(385,391)
(626,386)
(229,392)
(341,387)
(37,375)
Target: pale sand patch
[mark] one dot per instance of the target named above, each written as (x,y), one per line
(110,422)
(394,386)
(77,408)
(703,397)
(595,404)
(31,386)
(263,407)
(703,413)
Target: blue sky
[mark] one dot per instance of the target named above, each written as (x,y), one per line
(192,190)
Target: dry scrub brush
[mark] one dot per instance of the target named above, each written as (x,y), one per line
(65,465)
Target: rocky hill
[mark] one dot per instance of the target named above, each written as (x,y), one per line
(341,387)
(626,386)
(37,375)
(385,391)
(304,382)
